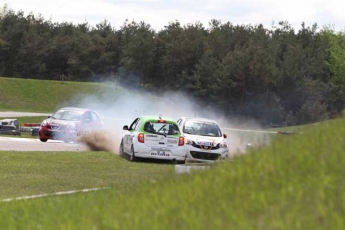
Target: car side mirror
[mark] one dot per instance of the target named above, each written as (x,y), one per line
(224,135)
(49,116)
(125,127)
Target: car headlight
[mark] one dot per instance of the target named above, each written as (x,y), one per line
(71,126)
(44,123)
(223,144)
(187,142)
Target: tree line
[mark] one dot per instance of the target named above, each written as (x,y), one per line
(276,76)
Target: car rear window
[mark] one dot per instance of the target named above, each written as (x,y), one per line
(161,128)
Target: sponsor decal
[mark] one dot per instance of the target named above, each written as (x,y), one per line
(159,149)
(205,145)
(161,154)
(172,141)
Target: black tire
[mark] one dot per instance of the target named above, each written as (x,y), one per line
(43,139)
(132,156)
(121,151)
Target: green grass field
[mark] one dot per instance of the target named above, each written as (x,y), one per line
(296,182)
(47,96)
(30,173)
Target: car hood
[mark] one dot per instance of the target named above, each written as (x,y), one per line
(196,138)
(60,122)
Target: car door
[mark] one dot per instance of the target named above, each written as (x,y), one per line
(130,135)
(85,121)
(96,122)
(90,121)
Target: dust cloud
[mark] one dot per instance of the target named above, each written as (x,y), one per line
(120,107)
(98,140)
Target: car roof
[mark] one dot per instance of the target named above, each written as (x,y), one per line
(76,108)
(199,119)
(150,118)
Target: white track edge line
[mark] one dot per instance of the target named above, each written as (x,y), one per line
(53,194)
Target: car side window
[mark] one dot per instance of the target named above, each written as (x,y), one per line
(87,117)
(134,123)
(173,129)
(148,127)
(137,125)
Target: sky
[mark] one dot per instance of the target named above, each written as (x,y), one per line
(159,13)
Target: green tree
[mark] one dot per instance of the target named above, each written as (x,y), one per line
(180,48)
(336,55)
(137,53)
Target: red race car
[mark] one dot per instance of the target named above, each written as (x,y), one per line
(67,123)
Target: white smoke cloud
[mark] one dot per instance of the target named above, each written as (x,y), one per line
(120,110)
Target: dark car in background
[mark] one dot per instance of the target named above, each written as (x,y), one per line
(67,123)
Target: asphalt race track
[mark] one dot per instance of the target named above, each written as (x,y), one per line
(30,144)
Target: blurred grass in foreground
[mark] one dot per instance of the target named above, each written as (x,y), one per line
(295,183)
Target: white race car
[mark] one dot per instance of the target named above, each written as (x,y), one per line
(204,140)
(153,137)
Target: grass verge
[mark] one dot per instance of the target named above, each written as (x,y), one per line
(18,94)
(30,173)
(296,183)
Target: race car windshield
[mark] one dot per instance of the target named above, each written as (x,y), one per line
(161,128)
(69,115)
(202,129)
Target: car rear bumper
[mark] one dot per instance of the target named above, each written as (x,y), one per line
(178,153)
(171,157)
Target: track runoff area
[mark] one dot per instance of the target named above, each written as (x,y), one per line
(281,132)
(97,189)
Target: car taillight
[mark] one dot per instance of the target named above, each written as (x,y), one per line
(181,141)
(141,137)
